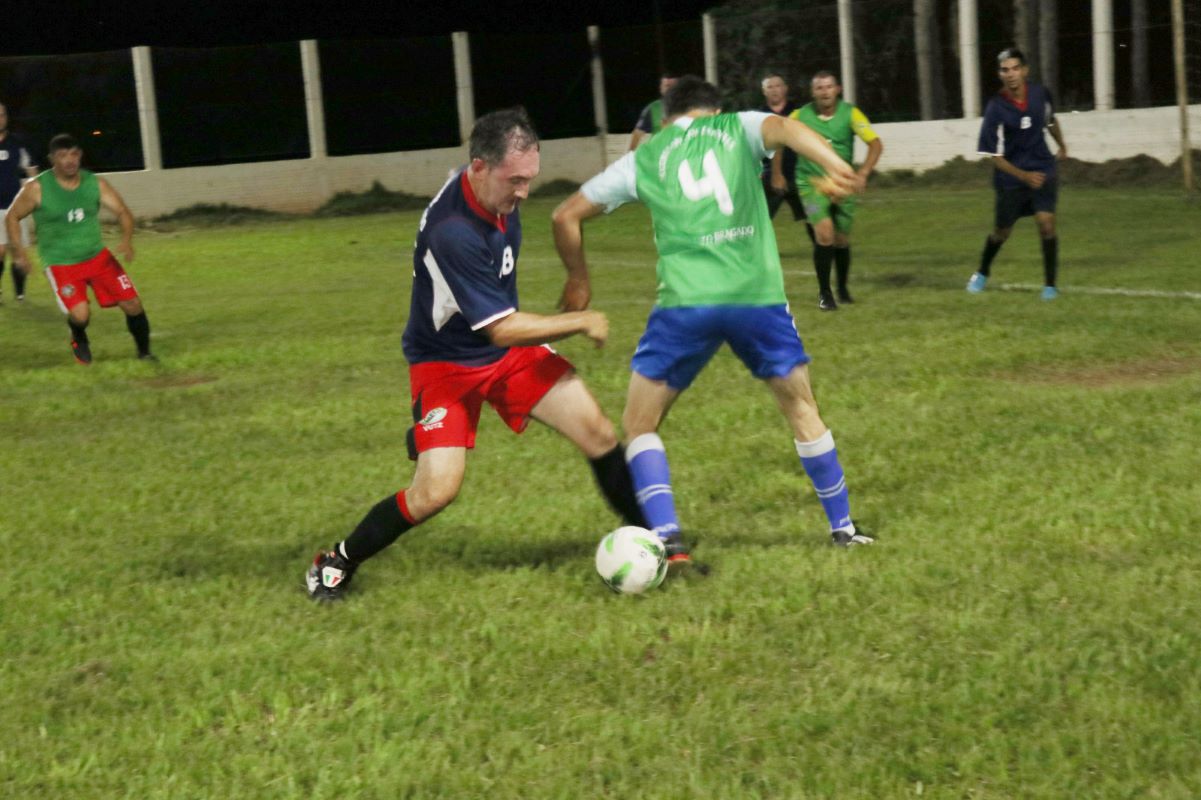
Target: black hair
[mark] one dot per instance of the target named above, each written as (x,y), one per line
(1011,52)
(690,92)
(62,141)
(824,73)
(497,133)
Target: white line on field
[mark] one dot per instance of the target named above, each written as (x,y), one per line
(1030,287)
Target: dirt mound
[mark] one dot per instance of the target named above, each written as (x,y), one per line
(959,172)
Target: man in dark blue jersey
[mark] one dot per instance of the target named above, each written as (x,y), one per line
(1024,178)
(15,164)
(467,343)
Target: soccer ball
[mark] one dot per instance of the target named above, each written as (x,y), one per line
(631,560)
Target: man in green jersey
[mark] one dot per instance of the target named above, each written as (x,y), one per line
(839,122)
(65,202)
(719,282)
(651,119)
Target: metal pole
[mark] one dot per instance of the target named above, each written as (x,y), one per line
(143,79)
(463,88)
(1186,152)
(846,49)
(314,109)
(599,109)
(709,36)
(1103,55)
(969,58)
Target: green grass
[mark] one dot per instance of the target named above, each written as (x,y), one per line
(1026,626)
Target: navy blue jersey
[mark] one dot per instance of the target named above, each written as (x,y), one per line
(1017,133)
(464,278)
(14,159)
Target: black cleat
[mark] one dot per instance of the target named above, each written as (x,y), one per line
(844,296)
(678,553)
(81,351)
(329,576)
(848,539)
(825,301)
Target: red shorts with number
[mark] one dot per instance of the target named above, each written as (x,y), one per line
(447,397)
(102,272)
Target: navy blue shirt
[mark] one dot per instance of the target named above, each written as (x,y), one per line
(14,158)
(464,278)
(1017,133)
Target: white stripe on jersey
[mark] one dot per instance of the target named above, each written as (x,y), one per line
(445,306)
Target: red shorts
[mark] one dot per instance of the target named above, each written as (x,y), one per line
(102,272)
(447,397)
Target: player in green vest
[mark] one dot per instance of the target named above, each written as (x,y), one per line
(719,282)
(65,202)
(839,122)
(651,119)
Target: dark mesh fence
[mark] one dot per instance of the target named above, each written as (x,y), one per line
(549,74)
(91,96)
(636,57)
(389,94)
(230,104)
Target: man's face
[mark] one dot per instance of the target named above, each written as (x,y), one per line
(501,188)
(66,162)
(1013,73)
(665,85)
(3,119)
(775,90)
(825,92)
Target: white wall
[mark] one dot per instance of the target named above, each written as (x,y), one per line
(304,184)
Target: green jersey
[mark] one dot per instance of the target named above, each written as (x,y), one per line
(700,180)
(839,130)
(68,220)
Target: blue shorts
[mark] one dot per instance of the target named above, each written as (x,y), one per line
(678,342)
(1022,201)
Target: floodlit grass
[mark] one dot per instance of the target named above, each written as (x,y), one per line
(1025,627)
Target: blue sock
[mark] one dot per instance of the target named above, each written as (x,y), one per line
(652,483)
(820,460)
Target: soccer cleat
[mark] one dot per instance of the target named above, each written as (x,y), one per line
(678,553)
(1050,293)
(849,539)
(150,357)
(81,351)
(976,283)
(825,301)
(329,576)
(844,296)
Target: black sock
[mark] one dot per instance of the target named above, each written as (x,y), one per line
(18,280)
(1050,260)
(139,327)
(381,527)
(823,260)
(842,265)
(990,252)
(613,477)
(79,333)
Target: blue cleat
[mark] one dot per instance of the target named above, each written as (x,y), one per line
(1050,293)
(975,284)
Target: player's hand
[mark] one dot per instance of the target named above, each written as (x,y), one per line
(1034,180)
(840,185)
(577,293)
(779,184)
(596,326)
(125,249)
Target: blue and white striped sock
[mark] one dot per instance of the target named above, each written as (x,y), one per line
(820,460)
(652,483)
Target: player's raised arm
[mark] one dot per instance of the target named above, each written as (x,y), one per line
(784,132)
(24,204)
(567,222)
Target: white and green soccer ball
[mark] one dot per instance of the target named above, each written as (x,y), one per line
(631,560)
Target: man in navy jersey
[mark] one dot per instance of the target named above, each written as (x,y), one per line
(15,164)
(467,343)
(1024,178)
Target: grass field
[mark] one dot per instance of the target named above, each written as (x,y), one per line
(1026,626)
